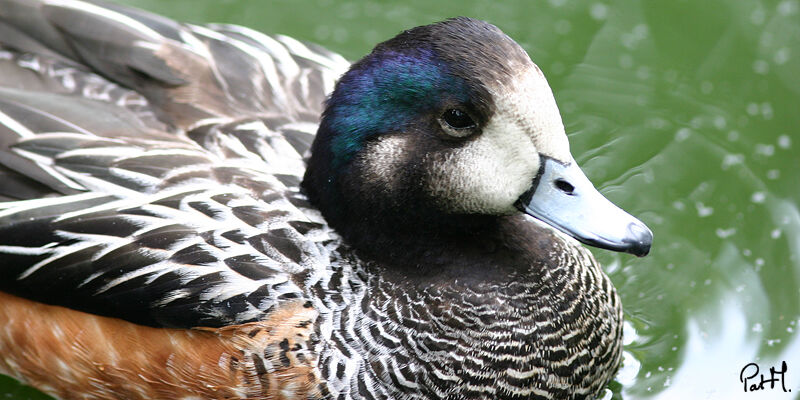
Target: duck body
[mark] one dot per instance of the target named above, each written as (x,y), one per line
(162,237)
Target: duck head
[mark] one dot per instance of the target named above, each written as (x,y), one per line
(448,124)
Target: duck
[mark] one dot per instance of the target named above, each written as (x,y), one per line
(210,212)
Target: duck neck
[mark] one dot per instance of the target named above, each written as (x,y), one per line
(418,244)
(392,224)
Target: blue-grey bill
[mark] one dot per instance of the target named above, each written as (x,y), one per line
(564,198)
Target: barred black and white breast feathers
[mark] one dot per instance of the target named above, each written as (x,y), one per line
(171,199)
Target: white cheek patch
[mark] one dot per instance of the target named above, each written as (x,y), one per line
(382,158)
(487,175)
(528,102)
(490,173)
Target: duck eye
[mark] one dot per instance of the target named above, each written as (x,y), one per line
(457,123)
(457,119)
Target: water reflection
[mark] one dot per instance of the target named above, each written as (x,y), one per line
(685,113)
(685,118)
(720,344)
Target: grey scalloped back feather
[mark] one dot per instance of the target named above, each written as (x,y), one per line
(159,164)
(185,167)
(188,72)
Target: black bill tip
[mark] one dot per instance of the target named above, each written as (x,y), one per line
(639,240)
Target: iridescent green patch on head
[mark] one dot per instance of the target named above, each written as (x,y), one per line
(385,93)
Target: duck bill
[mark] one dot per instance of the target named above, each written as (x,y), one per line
(564,198)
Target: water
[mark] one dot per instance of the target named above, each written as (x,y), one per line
(686,114)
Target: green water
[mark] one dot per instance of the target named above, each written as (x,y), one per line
(686,114)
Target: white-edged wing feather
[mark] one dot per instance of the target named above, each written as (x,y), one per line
(156,165)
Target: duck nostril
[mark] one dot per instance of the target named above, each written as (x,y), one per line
(565,186)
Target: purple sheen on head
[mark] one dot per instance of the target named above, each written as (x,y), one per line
(383,93)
